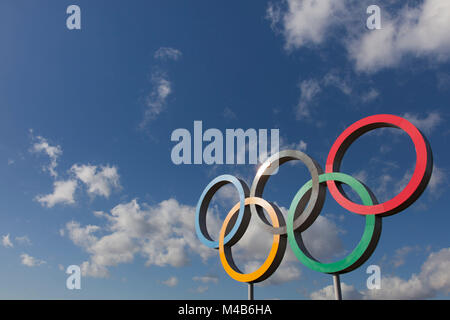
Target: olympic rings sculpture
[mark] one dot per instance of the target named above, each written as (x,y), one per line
(308,202)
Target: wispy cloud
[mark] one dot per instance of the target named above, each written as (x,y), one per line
(300,145)
(171,282)
(23,240)
(206,279)
(370,95)
(200,289)
(167,53)
(438,182)
(156,100)
(30,261)
(311,89)
(6,241)
(308,90)
(41,145)
(427,123)
(161,86)
(401,254)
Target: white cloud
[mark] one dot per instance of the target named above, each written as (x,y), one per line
(348,293)
(437,180)
(332,79)
(436,185)
(200,289)
(63,192)
(273,14)
(6,241)
(23,240)
(206,279)
(322,238)
(311,88)
(308,90)
(155,101)
(89,269)
(109,250)
(167,53)
(426,124)
(399,258)
(361,175)
(410,31)
(226,196)
(81,236)
(53,152)
(433,279)
(114,248)
(171,282)
(30,261)
(306,22)
(381,191)
(99,181)
(163,234)
(287,271)
(416,31)
(162,87)
(301,145)
(435,271)
(370,95)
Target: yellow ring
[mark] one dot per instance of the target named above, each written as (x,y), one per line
(268,267)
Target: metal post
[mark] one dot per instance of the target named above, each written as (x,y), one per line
(250,291)
(337,287)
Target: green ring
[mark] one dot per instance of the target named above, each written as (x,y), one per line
(366,245)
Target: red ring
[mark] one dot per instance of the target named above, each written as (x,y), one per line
(414,188)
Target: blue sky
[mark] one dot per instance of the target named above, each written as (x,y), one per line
(87,115)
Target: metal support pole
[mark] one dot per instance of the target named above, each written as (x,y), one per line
(250,291)
(337,287)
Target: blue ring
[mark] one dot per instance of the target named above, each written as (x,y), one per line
(200,217)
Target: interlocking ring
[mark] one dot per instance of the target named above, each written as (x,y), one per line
(276,252)
(241,222)
(314,202)
(417,183)
(308,203)
(366,245)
